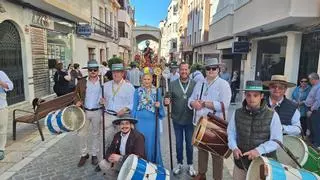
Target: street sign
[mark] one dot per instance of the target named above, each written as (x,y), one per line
(84,30)
(240,47)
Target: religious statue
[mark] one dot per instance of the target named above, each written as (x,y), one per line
(148,54)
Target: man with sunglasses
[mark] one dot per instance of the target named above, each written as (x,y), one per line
(88,94)
(287,110)
(213,94)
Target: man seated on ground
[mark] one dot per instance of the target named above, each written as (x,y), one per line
(125,142)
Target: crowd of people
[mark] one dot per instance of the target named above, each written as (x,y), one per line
(132,109)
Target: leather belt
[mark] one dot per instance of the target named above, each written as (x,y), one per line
(94,109)
(111,112)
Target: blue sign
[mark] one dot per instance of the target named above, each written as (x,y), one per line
(84,30)
(240,47)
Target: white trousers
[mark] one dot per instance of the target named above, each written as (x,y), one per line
(3,127)
(91,127)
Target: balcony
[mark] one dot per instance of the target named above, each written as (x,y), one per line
(101,28)
(69,9)
(125,42)
(123,16)
(251,16)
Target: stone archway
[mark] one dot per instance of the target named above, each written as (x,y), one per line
(11,60)
(141,33)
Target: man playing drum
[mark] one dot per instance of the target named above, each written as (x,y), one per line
(180,91)
(213,94)
(287,110)
(125,142)
(88,94)
(251,130)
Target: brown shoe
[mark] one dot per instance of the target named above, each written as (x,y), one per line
(200,177)
(83,160)
(94,160)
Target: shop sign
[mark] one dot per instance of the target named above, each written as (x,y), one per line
(84,30)
(240,47)
(40,20)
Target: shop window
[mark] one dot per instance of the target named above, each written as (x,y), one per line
(271,56)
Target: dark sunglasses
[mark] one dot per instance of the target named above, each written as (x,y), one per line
(92,70)
(211,68)
(303,81)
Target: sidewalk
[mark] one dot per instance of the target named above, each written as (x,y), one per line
(56,158)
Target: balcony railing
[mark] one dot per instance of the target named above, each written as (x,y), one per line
(101,28)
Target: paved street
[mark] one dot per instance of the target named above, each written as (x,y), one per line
(60,162)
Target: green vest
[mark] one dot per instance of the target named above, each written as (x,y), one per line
(181,114)
(253,129)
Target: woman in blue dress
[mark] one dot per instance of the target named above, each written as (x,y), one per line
(144,109)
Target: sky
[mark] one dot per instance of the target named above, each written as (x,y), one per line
(150,12)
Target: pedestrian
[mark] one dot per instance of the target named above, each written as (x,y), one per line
(211,95)
(179,92)
(145,103)
(125,142)
(75,74)
(174,75)
(252,130)
(224,74)
(299,96)
(118,97)
(287,110)
(5,86)
(313,104)
(62,80)
(104,68)
(197,75)
(235,84)
(88,95)
(134,75)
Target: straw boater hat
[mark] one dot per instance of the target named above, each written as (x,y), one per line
(126,117)
(281,79)
(254,86)
(211,62)
(92,64)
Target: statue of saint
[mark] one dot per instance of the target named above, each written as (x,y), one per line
(148,54)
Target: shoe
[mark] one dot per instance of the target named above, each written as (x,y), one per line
(200,177)
(94,160)
(83,160)
(97,169)
(191,171)
(1,154)
(177,170)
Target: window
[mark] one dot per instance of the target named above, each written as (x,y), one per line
(121,29)
(101,14)
(91,53)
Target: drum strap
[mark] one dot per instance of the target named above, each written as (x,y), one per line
(285,149)
(223,111)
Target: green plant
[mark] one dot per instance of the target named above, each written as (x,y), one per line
(114,60)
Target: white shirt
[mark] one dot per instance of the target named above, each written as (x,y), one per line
(3,95)
(174,77)
(197,76)
(93,94)
(218,91)
(121,99)
(266,147)
(134,76)
(123,143)
(294,128)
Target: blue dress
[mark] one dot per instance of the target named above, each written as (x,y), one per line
(144,111)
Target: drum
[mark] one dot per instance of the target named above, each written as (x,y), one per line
(71,118)
(211,135)
(268,169)
(307,157)
(135,168)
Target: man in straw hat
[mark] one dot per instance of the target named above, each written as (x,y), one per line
(251,130)
(125,142)
(88,94)
(287,110)
(118,97)
(213,94)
